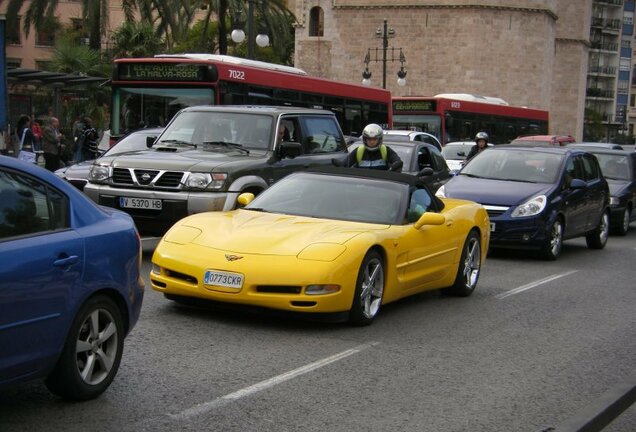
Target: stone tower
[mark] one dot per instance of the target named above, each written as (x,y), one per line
(529,52)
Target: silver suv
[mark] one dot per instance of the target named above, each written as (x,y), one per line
(208,155)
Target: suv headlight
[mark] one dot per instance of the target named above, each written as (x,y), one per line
(614,201)
(98,174)
(205,180)
(531,207)
(441,192)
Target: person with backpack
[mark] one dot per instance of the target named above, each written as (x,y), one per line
(373,154)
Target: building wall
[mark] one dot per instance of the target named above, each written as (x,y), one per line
(506,49)
(569,81)
(30,53)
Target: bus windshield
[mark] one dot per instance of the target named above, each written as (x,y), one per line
(419,122)
(139,107)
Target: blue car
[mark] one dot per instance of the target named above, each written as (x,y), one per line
(537,197)
(619,168)
(70,285)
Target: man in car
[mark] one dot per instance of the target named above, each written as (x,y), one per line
(373,154)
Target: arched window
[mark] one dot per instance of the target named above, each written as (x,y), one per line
(316,21)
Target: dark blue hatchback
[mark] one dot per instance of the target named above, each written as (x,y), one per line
(70,287)
(537,197)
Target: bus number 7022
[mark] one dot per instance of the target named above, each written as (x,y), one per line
(236,74)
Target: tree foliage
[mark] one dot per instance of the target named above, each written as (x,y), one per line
(136,39)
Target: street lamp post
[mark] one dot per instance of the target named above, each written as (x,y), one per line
(396,55)
(238,35)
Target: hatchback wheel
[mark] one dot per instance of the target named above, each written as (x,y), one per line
(92,352)
(597,238)
(552,247)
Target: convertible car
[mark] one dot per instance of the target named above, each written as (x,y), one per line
(336,241)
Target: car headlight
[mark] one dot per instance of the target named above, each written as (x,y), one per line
(531,207)
(441,192)
(205,180)
(614,201)
(98,174)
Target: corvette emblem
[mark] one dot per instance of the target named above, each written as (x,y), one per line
(232,257)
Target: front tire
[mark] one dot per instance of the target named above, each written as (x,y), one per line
(92,352)
(469,268)
(597,238)
(552,247)
(367,297)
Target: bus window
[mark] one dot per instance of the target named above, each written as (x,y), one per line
(136,108)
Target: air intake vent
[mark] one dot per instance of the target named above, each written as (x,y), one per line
(170,179)
(166,149)
(122,176)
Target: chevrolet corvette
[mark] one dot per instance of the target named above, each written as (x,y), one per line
(337,241)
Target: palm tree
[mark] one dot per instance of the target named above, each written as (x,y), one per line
(135,39)
(40,13)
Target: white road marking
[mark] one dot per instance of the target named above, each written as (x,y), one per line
(263,385)
(533,284)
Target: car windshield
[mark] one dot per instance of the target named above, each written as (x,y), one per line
(456,152)
(613,166)
(335,197)
(515,165)
(133,142)
(209,128)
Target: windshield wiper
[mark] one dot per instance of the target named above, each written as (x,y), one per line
(180,142)
(228,144)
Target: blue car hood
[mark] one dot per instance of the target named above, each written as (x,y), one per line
(494,192)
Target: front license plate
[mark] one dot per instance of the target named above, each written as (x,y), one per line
(492,226)
(224,279)
(140,203)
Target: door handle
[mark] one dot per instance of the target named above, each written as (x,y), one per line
(66,261)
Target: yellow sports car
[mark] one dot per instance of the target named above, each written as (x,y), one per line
(335,241)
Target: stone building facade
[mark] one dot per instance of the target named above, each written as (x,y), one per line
(529,53)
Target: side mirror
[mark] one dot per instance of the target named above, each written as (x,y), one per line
(430,218)
(150,140)
(245,198)
(578,184)
(289,149)
(425,172)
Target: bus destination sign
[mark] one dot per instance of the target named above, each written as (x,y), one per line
(416,105)
(161,72)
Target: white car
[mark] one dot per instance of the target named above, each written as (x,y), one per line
(455,154)
(407,135)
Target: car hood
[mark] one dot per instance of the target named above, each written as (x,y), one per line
(617,187)
(78,170)
(176,158)
(252,232)
(494,192)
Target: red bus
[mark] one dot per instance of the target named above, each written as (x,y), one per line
(459,116)
(147,92)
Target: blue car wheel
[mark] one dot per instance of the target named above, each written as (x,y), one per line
(92,352)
